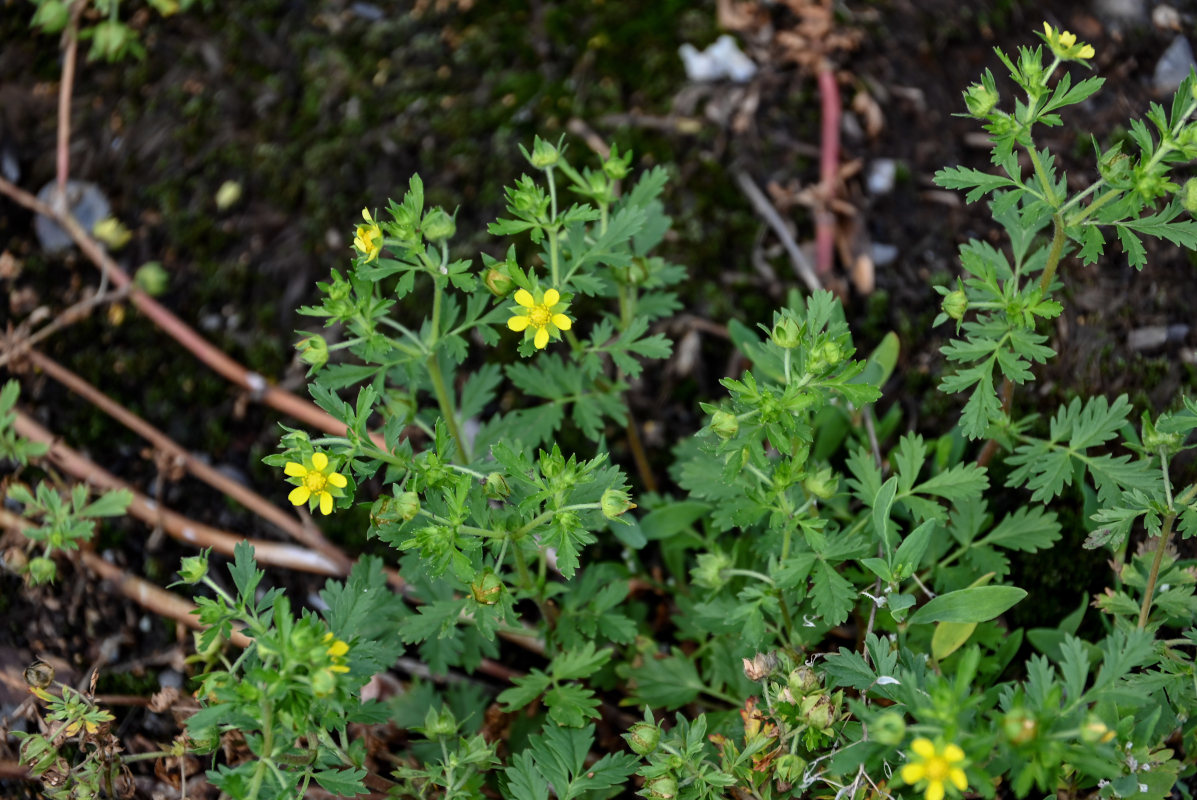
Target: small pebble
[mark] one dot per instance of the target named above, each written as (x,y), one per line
(1173,66)
(1154,336)
(87,204)
(880,176)
(883,254)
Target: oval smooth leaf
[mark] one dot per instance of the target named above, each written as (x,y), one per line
(977,604)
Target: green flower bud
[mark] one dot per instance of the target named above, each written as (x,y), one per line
(543,155)
(955,304)
(615,502)
(888,729)
(407,506)
(662,787)
(498,282)
(708,573)
(822,484)
(52,16)
(496,487)
(438,225)
(802,681)
(42,570)
(724,424)
(1188,196)
(980,99)
(568,521)
(439,724)
(616,167)
(194,568)
(1019,726)
(820,714)
(487,588)
(313,350)
(599,183)
(787,333)
(643,738)
(151,278)
(825,356)
(789,768)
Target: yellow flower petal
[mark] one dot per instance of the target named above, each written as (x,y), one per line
(1047,29)
(524,298)
(913,773)
(295,470)
(923,748)
(366,212)
(338,480)
(338,668)
(517,324)
(957,777)
(1086,52)
(319,461)
(562,322)
(551,297)
(934,791)
(542,338)
(338,649)
(299,495)
(952,753)
(326,503)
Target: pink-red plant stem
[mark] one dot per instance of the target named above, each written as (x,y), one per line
(829,169)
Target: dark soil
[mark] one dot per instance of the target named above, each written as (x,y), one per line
(318,109)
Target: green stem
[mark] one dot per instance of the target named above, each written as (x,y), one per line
(1049,191)
(1165,535)
(264,760)
(1053,255)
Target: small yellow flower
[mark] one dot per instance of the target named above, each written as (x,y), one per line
(112,232)
(315,483)
(368,240)
(542,314)
(935,767)
(1064,45)
(336,652)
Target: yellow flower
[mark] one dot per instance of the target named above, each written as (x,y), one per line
(336,652)
(541,315)
(315,483)
(112,232)
(935,767)
(369,237)
(1064,45)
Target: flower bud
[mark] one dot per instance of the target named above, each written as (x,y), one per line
(708,573)
(496,487)
(313,350)
(802,681)
(822,484)
(39,675)
(819,714)
(194,568)
(151,278)
(888,729)
(955,304)
(487,588)
(1094,731)
(787,333)
(824,356)
(1188,196)
(438,225)
(543,155)
(724,424)
(789,768)
(662,787)
(760,666)
(1019,726)
(643,738)
(42,570)
(407,506)
(615,502)
(616,166)
(980,99)
(439,724)
(498,282)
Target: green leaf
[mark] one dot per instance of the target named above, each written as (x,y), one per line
(557,758)
(1028,529)
(950,637)
(525,689)
(832,595)
(571,705)
(244,570)
(109,504)
(342,782)
(580,663)
(979,183)
(668,682)
(976,604)
(672,519)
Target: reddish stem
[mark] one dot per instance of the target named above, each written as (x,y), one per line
(829,168)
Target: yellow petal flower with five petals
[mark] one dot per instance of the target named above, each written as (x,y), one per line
(1064,46)
(935,767)
(541,315)
(315,482)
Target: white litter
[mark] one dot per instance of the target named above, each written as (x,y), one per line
(723,59)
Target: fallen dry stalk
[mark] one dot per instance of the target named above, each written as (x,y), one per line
(178,526)
(305,534)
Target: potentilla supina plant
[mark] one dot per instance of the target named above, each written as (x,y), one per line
(935,768)
(541,316)
(368,238)
(315,483)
